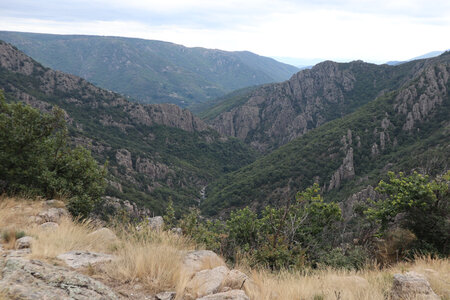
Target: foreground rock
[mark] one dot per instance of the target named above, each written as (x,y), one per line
(79,259)
(412,285)
(156,223)
(49,226)
(53,214)
(33,279)
(235,280)
(207,282)
(230,295)
(24,242)
(104,235)
(166,296)
(197,260)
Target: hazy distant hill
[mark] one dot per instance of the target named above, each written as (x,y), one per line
(154,150)
(151,71)
(424,56)
(404,129)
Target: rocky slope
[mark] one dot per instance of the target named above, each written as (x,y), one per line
(151,71)
(275,114)
(153,150)
(406,129)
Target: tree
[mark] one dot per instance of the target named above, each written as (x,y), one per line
(422,203)
(36,159)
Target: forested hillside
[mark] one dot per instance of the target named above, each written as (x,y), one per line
(153,151)
(402,130)
(151,71)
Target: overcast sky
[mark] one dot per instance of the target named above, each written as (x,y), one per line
(377,31)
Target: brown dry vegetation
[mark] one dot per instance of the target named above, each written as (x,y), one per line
(154,260)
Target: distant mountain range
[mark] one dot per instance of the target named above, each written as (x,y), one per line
(424,56)
(151,71)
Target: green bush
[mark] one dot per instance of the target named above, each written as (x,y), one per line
(422,204)
(35,159)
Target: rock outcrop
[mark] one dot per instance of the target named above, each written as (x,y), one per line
(412,285)
(32,279)
(79,259)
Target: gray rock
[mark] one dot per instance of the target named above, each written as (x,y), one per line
(156,223)
(412,285)
(207,282)
(104,235)
(235,280)
(230,295)
(53,214)
(36,220)
(49,226)
(195,260)
(33,279)
(166,296)
(345,171)
(24,242)
(78,259)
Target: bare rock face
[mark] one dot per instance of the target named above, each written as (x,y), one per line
(166,296)
(416,104)
(153,170)
(78,259)
(230,295)
(277,114)
(206,282)
(345,171)
(412,285)
(123,158)
(33,279)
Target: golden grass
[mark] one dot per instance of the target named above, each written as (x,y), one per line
(332,284)
(154,259)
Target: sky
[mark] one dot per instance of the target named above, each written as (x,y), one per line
(341,30)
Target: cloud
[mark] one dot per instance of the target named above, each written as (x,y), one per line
(332,29)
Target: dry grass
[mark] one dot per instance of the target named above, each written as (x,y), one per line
(151,258)
(154,260)
(331,284)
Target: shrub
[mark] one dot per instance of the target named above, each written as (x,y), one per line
(35,158)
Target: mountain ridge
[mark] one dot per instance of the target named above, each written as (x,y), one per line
(148,70)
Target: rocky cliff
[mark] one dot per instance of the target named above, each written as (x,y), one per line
(402,130)
(275,114)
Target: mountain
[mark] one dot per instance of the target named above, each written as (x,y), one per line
(151,71)
(274,114)
(424,56)
(154,151)
(401,130)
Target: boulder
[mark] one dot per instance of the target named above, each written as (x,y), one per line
(79,259)
(230,295)
(235,280)
(33,279)
(104,235)
(36,220)
(53,214)
(197,260)
(49,226)
(24,242)
(166,296)
(156,223)
(412,285)
(207,282)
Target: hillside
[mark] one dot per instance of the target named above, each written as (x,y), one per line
(408,128)
(274,114)
(150,71)
(154,151)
